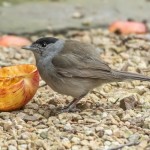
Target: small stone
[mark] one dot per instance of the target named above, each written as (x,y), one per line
(44,135)
(86,39)
(100,133)
(97,40)
(128,103)
(23,147)
(39,143)
(33,106)
(18,56)
(29,118)
(7,125)
(47,113)
(5,115)
(115,143)
(134,137)
(75,140)
(144,145)
(127,123)
(11,147)
(108,132)
(84,142)
(107,143)
(94,144)
(85,147)
(104,114)
(99,128)
(20,142)
(89,132)
(41,111)
(126,117)
(87,22)
(111,99)
(25,135)
(66,143)
(117,133)
(42,83)
(21,115)
(75,147)
(68,127)
(77,15)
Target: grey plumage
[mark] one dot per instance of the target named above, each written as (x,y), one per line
(74,68)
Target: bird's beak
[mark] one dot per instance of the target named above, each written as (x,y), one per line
(31,48)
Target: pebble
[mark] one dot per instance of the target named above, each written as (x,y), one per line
(44,135)
(18,56)
(25,135)
(11,147)
(20,142)
(7,125)
(108,132)
(68,127)
(75,140)
(5,115)
(23,147)
(134,137)
(29,118)
(77,15)
(39,142)
(107,143)
(86,39)
(75,147)
(85,148)
(84,142)
(97,40)
(99,128)
(104,114)
(66,143)
(33,105)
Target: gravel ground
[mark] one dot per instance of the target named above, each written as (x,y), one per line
(101,124)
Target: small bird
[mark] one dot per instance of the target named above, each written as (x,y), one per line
(73,68)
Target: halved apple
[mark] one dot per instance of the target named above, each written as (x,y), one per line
(18,84)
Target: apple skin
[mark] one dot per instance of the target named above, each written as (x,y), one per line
(13,41)
(18,85)
(128,27)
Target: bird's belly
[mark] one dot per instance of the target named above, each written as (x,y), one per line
(74,87)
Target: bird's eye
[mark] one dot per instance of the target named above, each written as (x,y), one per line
(44,44)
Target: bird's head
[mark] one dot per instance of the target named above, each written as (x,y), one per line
(41,45)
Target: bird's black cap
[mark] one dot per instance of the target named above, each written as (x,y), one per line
(45,41)
(40,43)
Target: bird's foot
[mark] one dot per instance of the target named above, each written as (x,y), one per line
(69,109)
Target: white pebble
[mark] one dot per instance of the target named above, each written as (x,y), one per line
(107,143)
(84,142)
(66,143)
(11,147)
(68,127)
(23,147)
(104,115)
(108,132)
(75,147)
(75,140)
(99,128)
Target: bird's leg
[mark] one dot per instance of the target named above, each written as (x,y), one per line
(71,105)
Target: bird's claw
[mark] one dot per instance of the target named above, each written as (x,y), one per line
(69,109)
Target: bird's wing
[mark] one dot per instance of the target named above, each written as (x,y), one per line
(80,60)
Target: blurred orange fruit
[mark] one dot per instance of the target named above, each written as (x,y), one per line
(13,41)
(128,27)
(18,84)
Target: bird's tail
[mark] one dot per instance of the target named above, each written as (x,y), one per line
(122,75)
